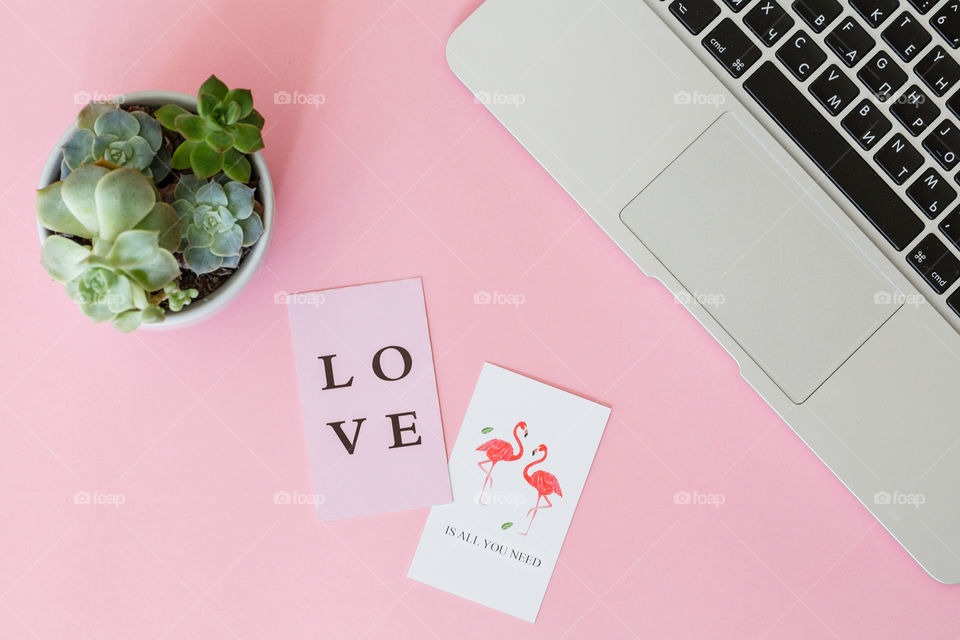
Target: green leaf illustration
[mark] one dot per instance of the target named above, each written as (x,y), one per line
(506,525)
(486,430)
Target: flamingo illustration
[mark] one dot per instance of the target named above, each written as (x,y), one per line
(500,451)
(545,483)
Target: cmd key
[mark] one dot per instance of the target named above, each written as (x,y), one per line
(731,47)
(934,261)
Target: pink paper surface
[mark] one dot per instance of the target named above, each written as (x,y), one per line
(398,173)
(390,462)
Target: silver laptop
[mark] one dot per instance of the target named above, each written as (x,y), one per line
(788,171)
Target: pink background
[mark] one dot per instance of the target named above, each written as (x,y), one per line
(399,173)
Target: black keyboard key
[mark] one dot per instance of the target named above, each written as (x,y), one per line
(875,11)
(954,104)
(922,6)
(932,193)
(817,13)
(736,5)
(947,22)
(695,15)
(915,110)
(954,301)
(906,37)
(938,70)
(899,158)
(833,154)
(768,21)
(801,55)
(866,124)
(932,260)
(882,75)
(950,226)
(850,41)
(943,143)
(834,90)
(731,47)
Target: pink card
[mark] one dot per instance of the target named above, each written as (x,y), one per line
(369,399)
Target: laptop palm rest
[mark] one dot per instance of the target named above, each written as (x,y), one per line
(771,267)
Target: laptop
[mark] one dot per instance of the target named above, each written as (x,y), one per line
(789,171)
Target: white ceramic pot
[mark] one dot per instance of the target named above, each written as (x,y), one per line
(201,309)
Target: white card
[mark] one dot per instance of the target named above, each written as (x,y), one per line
(498,545)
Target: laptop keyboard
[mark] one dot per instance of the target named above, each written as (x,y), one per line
(865,71)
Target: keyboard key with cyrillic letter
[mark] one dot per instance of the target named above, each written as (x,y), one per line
(882,75)
(943,144)
(915,110)
(828,149)
(768,21)
(817,13)
(866,124)
(938,70)
(834,90)
(801,55)
(932,193)
(947,22)
(906,37)
(875,11)
(899,158)
(695,15)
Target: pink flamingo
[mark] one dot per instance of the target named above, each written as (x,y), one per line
(545,484)
(500,451)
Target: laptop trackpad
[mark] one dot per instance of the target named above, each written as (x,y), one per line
(762,257)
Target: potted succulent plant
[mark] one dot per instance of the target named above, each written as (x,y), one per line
(156,209)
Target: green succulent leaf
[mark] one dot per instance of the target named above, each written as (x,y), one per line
(167,115)
(205,161)
(124,197)
(213,86)
(127,321)
(117,122)
(181,157)
(54,214)
(220,140)
(236,166)
(152,314)
(160,166)
(248,138)
(179,298)
(150,129)
(140,153)
(201,260)
(192,127)
(133,248)
(227,243)
(187,188)
(63,258)
(153,275)
(197,237)
(166,222)
(239,199)
(243,98)
(254,118)
(91,111)
(212,193)
(233,113)
(79,148)
(79,194)
(206,103)
(252,227)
